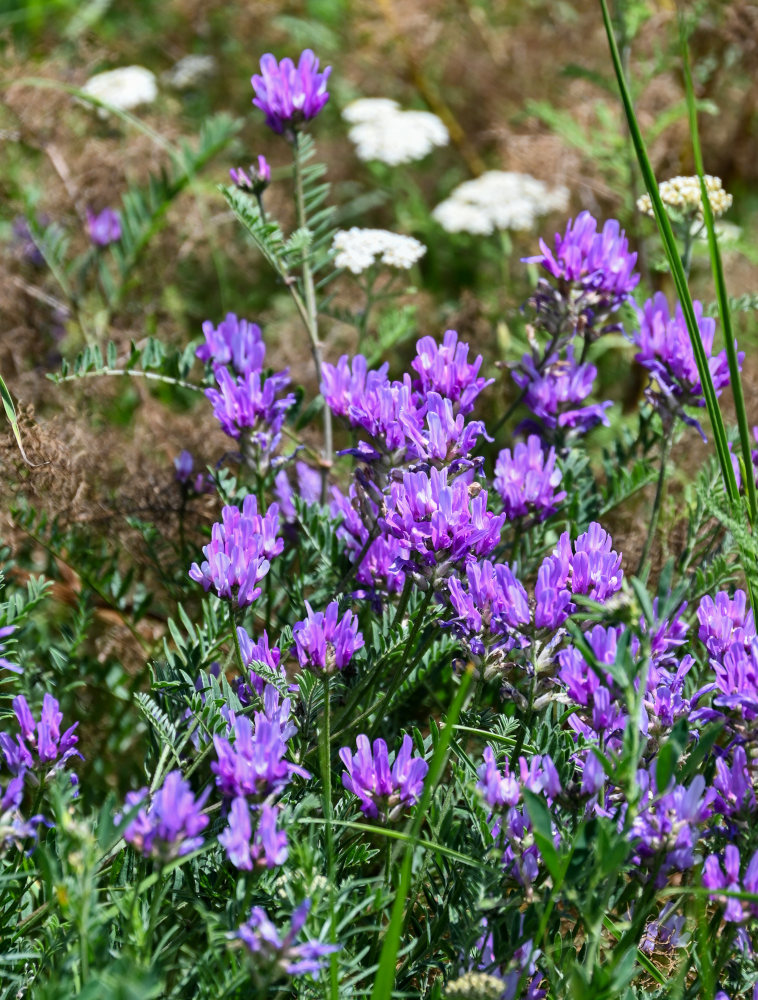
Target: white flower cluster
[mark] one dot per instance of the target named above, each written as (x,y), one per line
(191,71)
(123,88)
(683,194)
(358,249)
(475,986)
(382,131)
(499,199)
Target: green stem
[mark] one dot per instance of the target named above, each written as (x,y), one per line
(665,450)
(237,647)
(311,316)
(326,780)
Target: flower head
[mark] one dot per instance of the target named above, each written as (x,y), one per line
(324,642)
(554,391)
(256,655)
(39,745)
(596,261)
(124,88)
(255,179)
(445,368)
(289,95)
(527,479)
(169,826)
(381,130)
(237,558)
(265,848)
(359,249)
(105,227)
(384,792)
(498,199)
(235,342)
(728,877)
(280,955)
(683,195)
(494,603)
(665,349)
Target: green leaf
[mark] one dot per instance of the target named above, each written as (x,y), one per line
(543,832)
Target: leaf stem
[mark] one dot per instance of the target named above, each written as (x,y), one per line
(665,451)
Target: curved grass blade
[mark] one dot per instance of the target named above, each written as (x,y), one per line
(10,413)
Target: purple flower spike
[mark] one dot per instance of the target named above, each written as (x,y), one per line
(280,955)
(665,349)
(5,631)
(234,342)
(168,827)
(255,179)
(725,622)
(495,603)
(384,793)
(105,227)
(39,744)
(499,789)
(267,849)
(325,644)
(598,263)
(441,524)
(237,558)
(251,407)
(527,480)
(446,369)
(554,392)
(289,95)
(254,653)
(715,877)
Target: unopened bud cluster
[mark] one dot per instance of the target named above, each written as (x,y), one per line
(475,986)
(683,194)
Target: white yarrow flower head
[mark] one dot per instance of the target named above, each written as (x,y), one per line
(359,249)
(682,194)
(499,199)
(124,88)
(382,131)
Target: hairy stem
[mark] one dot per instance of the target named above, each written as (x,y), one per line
(326,780)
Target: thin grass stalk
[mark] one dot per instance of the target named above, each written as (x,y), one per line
(720,283)
(675,264)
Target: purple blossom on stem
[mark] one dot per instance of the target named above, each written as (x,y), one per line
(725,622)
(39,744)
(255,179)
(493,603)
(553,391)
(527,480)
(237,558)
(596,262)
(5,632)
(289,95)
(253,654)
(235,342)
(442,524)
(384,793)
(665,349)
(734,785)
(308,489)
(254,764)
(170,825)
(252,408)
(267,848)
(280,955)
(715,876)
(446,369)
(324,642)
(184,465)
(377,567)
(105,227)
(14,829)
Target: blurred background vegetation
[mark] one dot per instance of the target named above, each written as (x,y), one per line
(523,85)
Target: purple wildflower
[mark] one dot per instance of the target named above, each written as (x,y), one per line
(384,793)
(325,644)
(5,631)
(498,789)
(254,763)
(280,955)
(377,569)
(14,829)
(39,744)
(251,407)
(255,179)
(665,933)
(308,489)
(494,602)
(527,480)
(237,557)
(253,655)
(446,369)
(235,342)
(597,263)
(715,877)
(554,391)
(665,349)
(169,826)
(184,465)
(442,524)
(289,95)
(734,785)
(104,228)
(725,622)
(266,849)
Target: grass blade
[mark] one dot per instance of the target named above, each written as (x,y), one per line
(10,413)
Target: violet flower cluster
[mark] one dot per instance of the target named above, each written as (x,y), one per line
(724,873)
(527,480)
(727,630)
(325,642)
(40,746)
(491,608)
(385,791)
(280,955)
(250,406)
(665,349)
(104,227)
(170,824)
(255,179)
(237,558)
(256,655)
(251,845)
(380,555)
(289,95)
